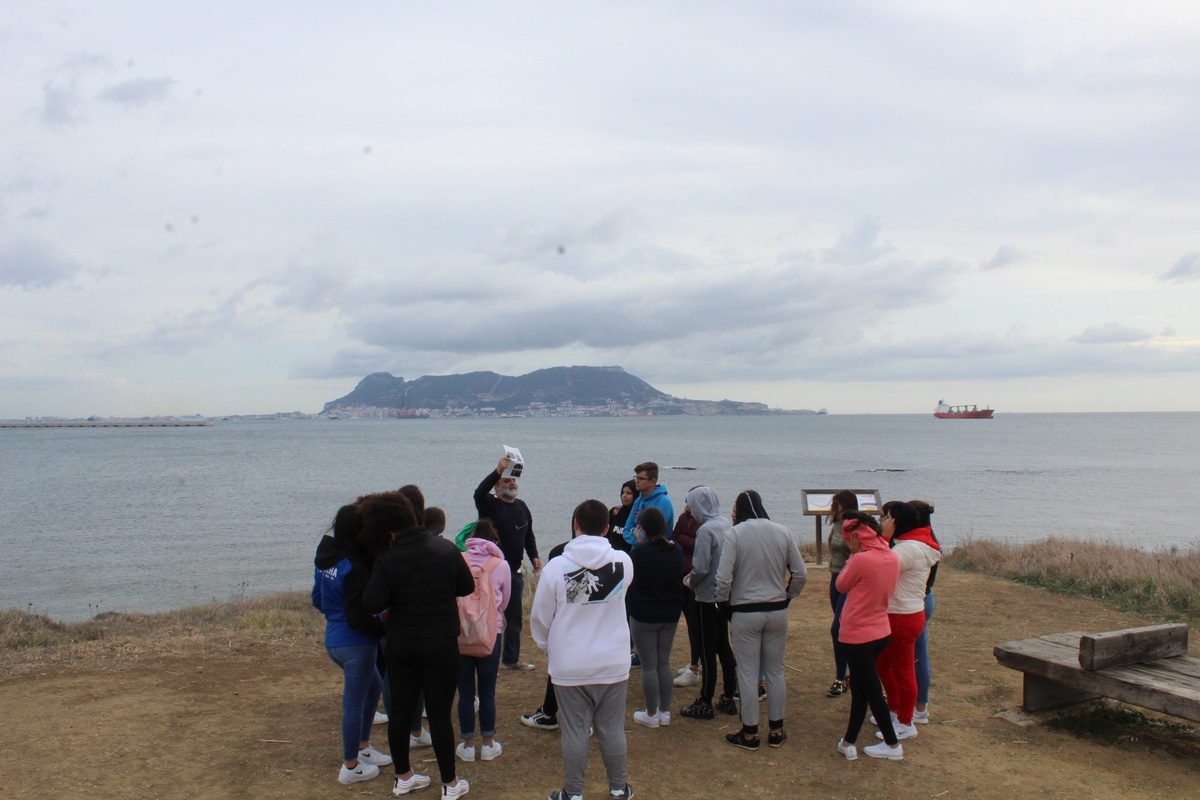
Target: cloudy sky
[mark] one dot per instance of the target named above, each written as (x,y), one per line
(868,206)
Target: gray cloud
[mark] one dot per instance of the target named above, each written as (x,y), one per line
(1005,256)
(1111,333)
(139,92)
(859,245)
(1186,268)
(183,332)
(61,106)
(31,265)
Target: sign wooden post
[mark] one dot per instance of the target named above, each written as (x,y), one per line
(817,502)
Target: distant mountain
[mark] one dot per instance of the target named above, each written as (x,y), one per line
(557,390)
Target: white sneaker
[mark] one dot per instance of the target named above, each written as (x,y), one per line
(403,787)
(456,789)
(643,718)
(664,718)
(683,669)
(902,731)
(892,752)
(380,718)
(490,752)
(420,741)
(686,678)
(372,756)
(891,714)
(363,772)
(848,750)
(921,717)
(465,753)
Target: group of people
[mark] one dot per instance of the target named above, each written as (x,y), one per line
(881,590)
(413,618)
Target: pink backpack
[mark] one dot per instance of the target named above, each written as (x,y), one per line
(477,612)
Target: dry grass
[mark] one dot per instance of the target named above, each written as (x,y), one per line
(28,641)
(1157,584)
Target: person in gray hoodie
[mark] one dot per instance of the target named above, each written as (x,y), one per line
(714,629)
(760,572)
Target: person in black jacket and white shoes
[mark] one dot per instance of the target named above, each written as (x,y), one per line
(417,581)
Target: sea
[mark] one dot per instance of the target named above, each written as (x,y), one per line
(94,520)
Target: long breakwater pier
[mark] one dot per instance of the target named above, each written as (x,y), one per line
(114,424)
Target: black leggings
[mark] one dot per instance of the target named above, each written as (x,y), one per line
(866,690)
(430,665)
(714,641)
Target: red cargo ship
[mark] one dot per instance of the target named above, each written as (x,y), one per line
(944,411)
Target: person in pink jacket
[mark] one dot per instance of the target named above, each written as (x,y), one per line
(483,547)
(868,580)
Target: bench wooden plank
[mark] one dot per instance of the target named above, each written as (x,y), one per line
(1170,685)
(1132,646)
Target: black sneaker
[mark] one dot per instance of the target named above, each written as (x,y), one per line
(726,706)
(539,719)
(776,738)
(838,689)
(762,693)
(621,794)
(740,739)
(698,710)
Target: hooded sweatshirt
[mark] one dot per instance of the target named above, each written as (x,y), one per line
(706,558)
(918,552)
(578,615)
(867,580)
(761,568)
(657,499)
(477,554)
(339,578)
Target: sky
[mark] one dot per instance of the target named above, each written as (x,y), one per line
(224,208)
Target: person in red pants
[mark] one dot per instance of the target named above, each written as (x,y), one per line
(917,551)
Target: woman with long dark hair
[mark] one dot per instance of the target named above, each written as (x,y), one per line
(655,603)
(619,515)
(342,569)
(921,649)
(867,580)
(761,571)
(417,580)
(918,552)
(840,503)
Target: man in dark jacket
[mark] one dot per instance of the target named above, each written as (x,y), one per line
(514,524)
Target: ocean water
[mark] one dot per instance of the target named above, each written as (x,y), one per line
(148,519)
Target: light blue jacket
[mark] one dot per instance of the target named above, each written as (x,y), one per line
(657,499)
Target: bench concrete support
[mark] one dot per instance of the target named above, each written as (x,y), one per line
(1043,694)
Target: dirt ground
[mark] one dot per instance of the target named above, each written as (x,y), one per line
(260,719)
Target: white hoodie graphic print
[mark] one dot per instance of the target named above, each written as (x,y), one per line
(578,614)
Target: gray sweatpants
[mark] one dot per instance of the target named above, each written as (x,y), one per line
(760,637)
(599,706)
(653,642)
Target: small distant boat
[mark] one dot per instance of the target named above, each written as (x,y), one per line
(944,411)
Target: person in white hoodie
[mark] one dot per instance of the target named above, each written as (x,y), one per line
(578,618)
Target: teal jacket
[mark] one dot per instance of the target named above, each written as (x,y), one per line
(657,499)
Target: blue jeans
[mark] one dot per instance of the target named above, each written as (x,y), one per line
(360,694)
(512,618)
(487,669)
(922,654)
(836,601)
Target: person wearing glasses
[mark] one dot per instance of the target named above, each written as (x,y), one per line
(651,494)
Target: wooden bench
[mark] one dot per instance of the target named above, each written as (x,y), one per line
(1146,667)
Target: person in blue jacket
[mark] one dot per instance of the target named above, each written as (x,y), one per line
(352,636)
(651,494)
